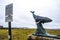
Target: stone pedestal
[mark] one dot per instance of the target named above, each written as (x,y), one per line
(32,37)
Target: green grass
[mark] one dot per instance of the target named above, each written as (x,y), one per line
(22,34)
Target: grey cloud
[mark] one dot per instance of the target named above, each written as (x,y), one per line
(22,16)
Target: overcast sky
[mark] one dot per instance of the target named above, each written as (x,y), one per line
(22,16)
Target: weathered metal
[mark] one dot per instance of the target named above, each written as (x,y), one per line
(40,30)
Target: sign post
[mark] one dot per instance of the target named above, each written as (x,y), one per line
(8,18)
(10,35)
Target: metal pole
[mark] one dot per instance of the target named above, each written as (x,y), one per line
(10,35)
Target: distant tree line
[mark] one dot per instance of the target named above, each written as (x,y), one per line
(1,26)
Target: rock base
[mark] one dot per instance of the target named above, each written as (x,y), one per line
(32,37)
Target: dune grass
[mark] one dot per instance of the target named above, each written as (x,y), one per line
(22,34)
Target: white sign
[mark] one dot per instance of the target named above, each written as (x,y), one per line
(9,13)
(9,9)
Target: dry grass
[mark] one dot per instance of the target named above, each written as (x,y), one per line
(21,34)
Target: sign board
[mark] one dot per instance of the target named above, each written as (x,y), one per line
(9,13)
(9,18)
(9,9)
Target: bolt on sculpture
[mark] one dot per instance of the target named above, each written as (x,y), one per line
(40,30)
